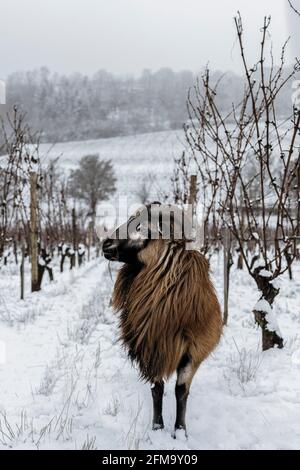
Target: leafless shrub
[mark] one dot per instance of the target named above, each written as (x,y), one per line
(48,382)
(12,433)
(243,366)
(113,407)
(89,443)
(133,438)
(91,315)
(24,315)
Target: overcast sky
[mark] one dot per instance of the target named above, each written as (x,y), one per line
(126,36)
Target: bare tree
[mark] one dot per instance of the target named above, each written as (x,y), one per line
(144,190)
(256,206)
(93,181)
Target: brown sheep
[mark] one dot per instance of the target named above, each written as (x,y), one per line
(170,316)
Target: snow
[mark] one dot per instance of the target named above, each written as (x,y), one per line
(34,166)
(258,264)
(6,253)
(265,273)
(296,357)
(66,383)
(64,366)
(64,248)
(276,283)
(2,353)
(272,323)
(263,306)
(81,249)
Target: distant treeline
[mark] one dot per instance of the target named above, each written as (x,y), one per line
(77,106)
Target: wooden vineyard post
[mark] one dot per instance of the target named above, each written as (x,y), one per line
(22,272)
(74,235)
(240,264)
(90,237)
(34,232)
(227,267)
(298,216)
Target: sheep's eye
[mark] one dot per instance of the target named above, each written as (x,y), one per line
(138,228)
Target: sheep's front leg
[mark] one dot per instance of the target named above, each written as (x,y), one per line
(157,390)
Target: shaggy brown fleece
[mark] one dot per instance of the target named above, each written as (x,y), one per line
(168,308)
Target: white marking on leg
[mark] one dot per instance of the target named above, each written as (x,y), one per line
(184,375)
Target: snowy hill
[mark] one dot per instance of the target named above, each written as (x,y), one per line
(134,157)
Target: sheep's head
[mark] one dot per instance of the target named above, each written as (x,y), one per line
(145,234)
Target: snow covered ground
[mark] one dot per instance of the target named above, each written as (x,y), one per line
(66,383)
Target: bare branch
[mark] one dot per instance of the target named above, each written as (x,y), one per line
(293,8)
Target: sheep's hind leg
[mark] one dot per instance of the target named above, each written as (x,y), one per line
(157,390)
(185,374)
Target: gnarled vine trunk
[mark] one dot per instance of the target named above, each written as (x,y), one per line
(263,312)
